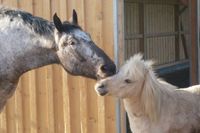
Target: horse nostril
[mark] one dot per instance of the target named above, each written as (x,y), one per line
(104,68)
(107,70)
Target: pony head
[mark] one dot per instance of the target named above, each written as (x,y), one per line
(136,80)
(129,81)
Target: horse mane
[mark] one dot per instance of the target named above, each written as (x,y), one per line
(152,89)
(37,24)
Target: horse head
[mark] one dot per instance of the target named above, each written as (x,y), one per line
(78,53)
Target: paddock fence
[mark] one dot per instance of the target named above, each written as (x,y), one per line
(48,100)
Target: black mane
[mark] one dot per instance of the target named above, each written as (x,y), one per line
(37,24)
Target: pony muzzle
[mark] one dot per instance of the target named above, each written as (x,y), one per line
(101,90)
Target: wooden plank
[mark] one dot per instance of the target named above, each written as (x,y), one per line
(42,101)
(26,5)
(80,8)
(42,95)
(84,106)
(33,124)
(3,122)
(10,3)
(98,36)
(50,92)
(49,79)
(25,83)
(73,87)
(90,25)
(10,115)
(141,26)
(108,103)
(61,95)
(193,48)
(63,6)
(26,102)
(66,103)
(18,109)
(177,37)
(58,100)
(92,108)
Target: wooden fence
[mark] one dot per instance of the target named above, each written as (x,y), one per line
(48,100)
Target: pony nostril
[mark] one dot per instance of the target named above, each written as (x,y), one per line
(101,86)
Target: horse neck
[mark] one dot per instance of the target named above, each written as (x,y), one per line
(24,52)
(40,53)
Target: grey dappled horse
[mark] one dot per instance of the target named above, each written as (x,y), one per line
(28,42)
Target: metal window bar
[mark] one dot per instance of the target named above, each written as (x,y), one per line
(153,35)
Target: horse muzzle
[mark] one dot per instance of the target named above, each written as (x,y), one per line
(106,70)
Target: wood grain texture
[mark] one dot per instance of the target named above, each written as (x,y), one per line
(48,100)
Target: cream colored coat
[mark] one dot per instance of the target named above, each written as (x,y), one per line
(153,105)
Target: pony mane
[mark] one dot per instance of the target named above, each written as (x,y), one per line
(152,88)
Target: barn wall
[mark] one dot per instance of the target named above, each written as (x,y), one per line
(151,28)
(48,100)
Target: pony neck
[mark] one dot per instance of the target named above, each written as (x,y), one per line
(133,107)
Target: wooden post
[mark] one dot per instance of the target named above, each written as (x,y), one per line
(193,49)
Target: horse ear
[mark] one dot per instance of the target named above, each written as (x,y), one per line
(74,18)
(57,22)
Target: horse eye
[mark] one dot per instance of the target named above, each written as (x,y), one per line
(127,81)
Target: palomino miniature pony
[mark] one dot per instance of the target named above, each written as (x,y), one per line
(28,42)
(153,105)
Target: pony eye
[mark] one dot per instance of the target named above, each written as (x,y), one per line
(127,81)
(72,43)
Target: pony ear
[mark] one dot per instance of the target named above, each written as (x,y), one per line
(57,22)
(74,18)
(149,64)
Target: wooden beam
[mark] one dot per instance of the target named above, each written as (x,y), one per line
(193,49)
(141,26)
(166,2)
(154,35)
(176,28)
